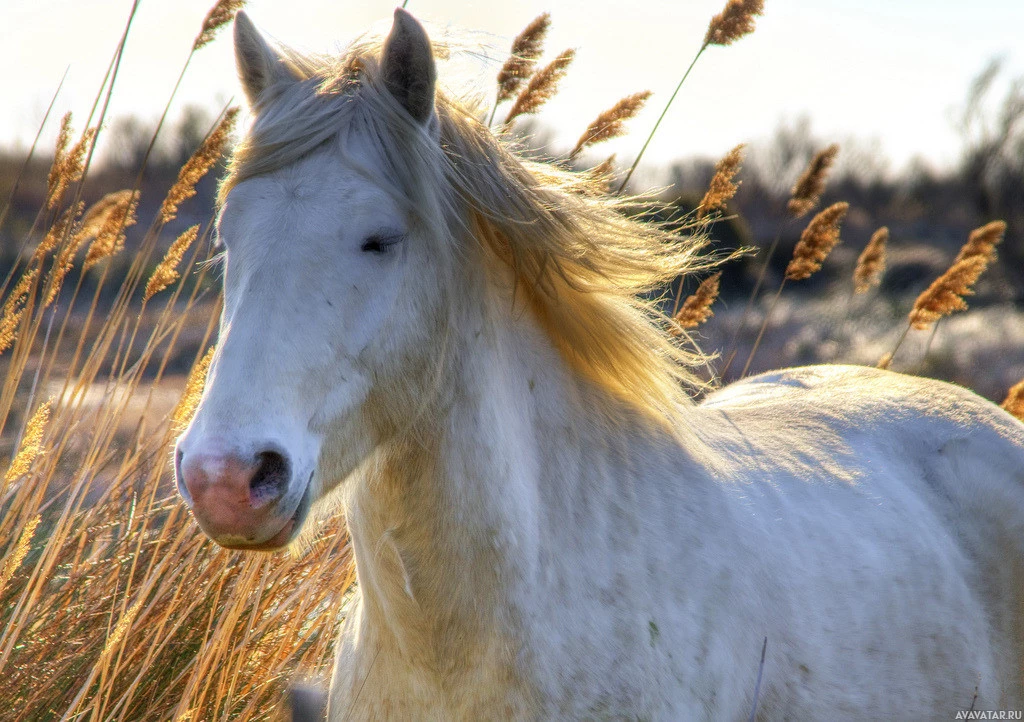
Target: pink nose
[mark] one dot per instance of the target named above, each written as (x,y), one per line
(235,499)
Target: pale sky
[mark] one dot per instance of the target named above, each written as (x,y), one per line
(890,70)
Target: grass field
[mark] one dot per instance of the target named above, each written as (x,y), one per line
(113,604)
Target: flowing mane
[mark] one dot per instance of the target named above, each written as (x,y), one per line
(589,269)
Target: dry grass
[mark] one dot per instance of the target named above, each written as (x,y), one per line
(722,186)
(198,165)
(816,242)
(946,294)
(736,20)
(541,87)
(871,262)
(526,49)
(167,272)
(807,191)
(1014,401)
(114,604)
(696,309)
(611,123)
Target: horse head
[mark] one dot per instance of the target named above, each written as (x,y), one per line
(322,250)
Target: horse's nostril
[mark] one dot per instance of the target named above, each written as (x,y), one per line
(270,481)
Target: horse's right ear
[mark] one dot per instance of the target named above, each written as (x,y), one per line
(259,65)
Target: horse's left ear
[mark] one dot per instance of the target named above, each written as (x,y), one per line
(408,66)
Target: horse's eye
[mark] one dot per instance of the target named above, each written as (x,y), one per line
(378,243)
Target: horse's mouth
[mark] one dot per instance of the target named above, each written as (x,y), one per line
(283,536)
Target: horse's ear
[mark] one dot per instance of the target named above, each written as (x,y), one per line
(259,65)
(408,66)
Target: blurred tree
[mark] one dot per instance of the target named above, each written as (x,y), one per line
(129,138)
(189,133)
(992,160)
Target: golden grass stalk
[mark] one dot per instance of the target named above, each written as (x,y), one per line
(541,87)
(63,138)
(696,309)
(14,307)
(97,215)
(65,258)
(612,122)
(31,443)
(526,49)
(122,626)
(189,401)
(1014,401)
(722,187)
(816,242)
(946,294)
(736,20)
(871,262)
(12,562)
(808,189)
(72,166)
(58,231)
(219,15)
(111,232)
(983,241)
(205,157)
(166,272)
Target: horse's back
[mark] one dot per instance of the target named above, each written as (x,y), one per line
(923,479)
(866,411)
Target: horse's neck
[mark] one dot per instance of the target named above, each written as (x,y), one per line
(453,523)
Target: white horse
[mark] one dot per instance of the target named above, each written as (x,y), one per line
(545,526)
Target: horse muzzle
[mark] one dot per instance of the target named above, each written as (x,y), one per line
(242,501)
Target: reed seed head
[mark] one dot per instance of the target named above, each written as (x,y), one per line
(189,401)
(736,20)
(197,166)
(816,242)
(65,259)
(14,307)
(871,262)
(111,234)
(219,15)
(722,188)
(1014,401)
(94,218)
(12,562)
(542,87)
(696,309)
(70,168)
(31,443)
(63,138)
(612,122)
(946,294)
(983,241)
(808,189)
(58,231)
(167,272)
(526,49)
(122,626)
